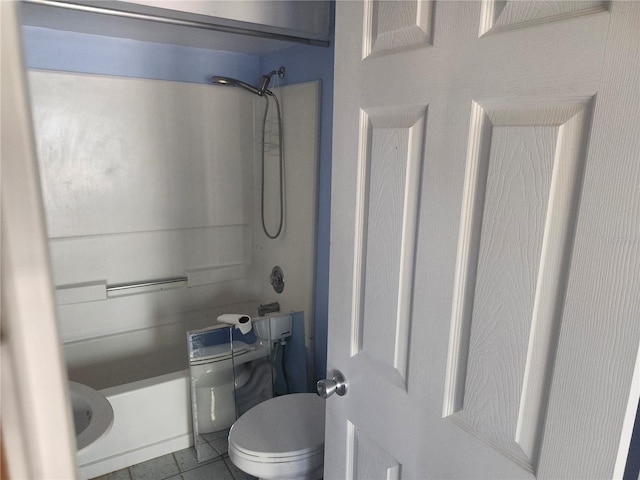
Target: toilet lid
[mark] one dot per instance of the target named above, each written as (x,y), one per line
(286,426)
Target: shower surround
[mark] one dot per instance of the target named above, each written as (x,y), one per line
(148,179)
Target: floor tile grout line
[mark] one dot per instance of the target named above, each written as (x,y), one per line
(220,458)
(228,469)
(175,461)
(213,460)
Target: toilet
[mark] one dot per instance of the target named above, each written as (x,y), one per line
(281,438)
(218,372)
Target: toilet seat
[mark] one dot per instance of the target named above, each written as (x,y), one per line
(278,460)
(282,434)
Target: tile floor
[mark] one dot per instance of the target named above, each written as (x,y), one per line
(183,465)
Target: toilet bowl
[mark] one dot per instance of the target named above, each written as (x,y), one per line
(282,438)
(218,373)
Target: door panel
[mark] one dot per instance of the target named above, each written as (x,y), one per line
(370,460)
(599,335)
(392,26)
(388,199)
(485,267)
(500,15)
(520,200)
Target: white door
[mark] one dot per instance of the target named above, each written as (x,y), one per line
(485,239)
(37,432)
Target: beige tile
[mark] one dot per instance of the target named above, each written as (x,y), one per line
(216,435)
(211,471)
(159,468)
(220,445)
(236,472)
(188,460)
(117,475)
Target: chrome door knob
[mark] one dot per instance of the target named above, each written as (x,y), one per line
(335,384)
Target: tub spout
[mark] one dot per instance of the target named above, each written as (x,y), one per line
(268,308)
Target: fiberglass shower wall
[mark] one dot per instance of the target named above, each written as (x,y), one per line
(142,180)
(294,249)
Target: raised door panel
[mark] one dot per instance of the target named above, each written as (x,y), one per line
(500,15)
(524,165)
(391,26)
(388,196)
(368,460)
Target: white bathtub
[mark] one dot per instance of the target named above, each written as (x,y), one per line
(152,417)
(144,374)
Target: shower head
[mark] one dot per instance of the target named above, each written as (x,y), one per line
(232,82)
(261,91)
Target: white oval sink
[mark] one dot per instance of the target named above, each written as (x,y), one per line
(92,414)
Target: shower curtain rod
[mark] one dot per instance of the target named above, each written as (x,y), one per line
(174,21)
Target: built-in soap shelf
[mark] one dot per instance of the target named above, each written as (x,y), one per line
(99,289)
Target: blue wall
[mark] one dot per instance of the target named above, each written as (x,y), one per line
(77,52)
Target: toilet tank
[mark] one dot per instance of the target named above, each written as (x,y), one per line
(273,328)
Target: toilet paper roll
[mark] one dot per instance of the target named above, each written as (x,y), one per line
(244,328)
(242,322)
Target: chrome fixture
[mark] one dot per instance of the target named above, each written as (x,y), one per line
(233,82)
(149,283)
(263,91)
(264,83)
(268,308)
(276,279)
(335,384)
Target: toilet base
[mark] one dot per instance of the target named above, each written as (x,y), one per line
(310,468)
(316,475)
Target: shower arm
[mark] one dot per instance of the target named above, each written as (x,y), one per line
(267,78)
(261,91)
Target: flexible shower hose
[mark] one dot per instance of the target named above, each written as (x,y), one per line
(280,164)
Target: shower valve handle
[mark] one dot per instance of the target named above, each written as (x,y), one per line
(335,384)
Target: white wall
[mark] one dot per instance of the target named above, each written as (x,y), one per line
(146,179)
(141,180)
(294,249)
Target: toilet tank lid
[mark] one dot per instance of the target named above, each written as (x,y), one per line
(281,427)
